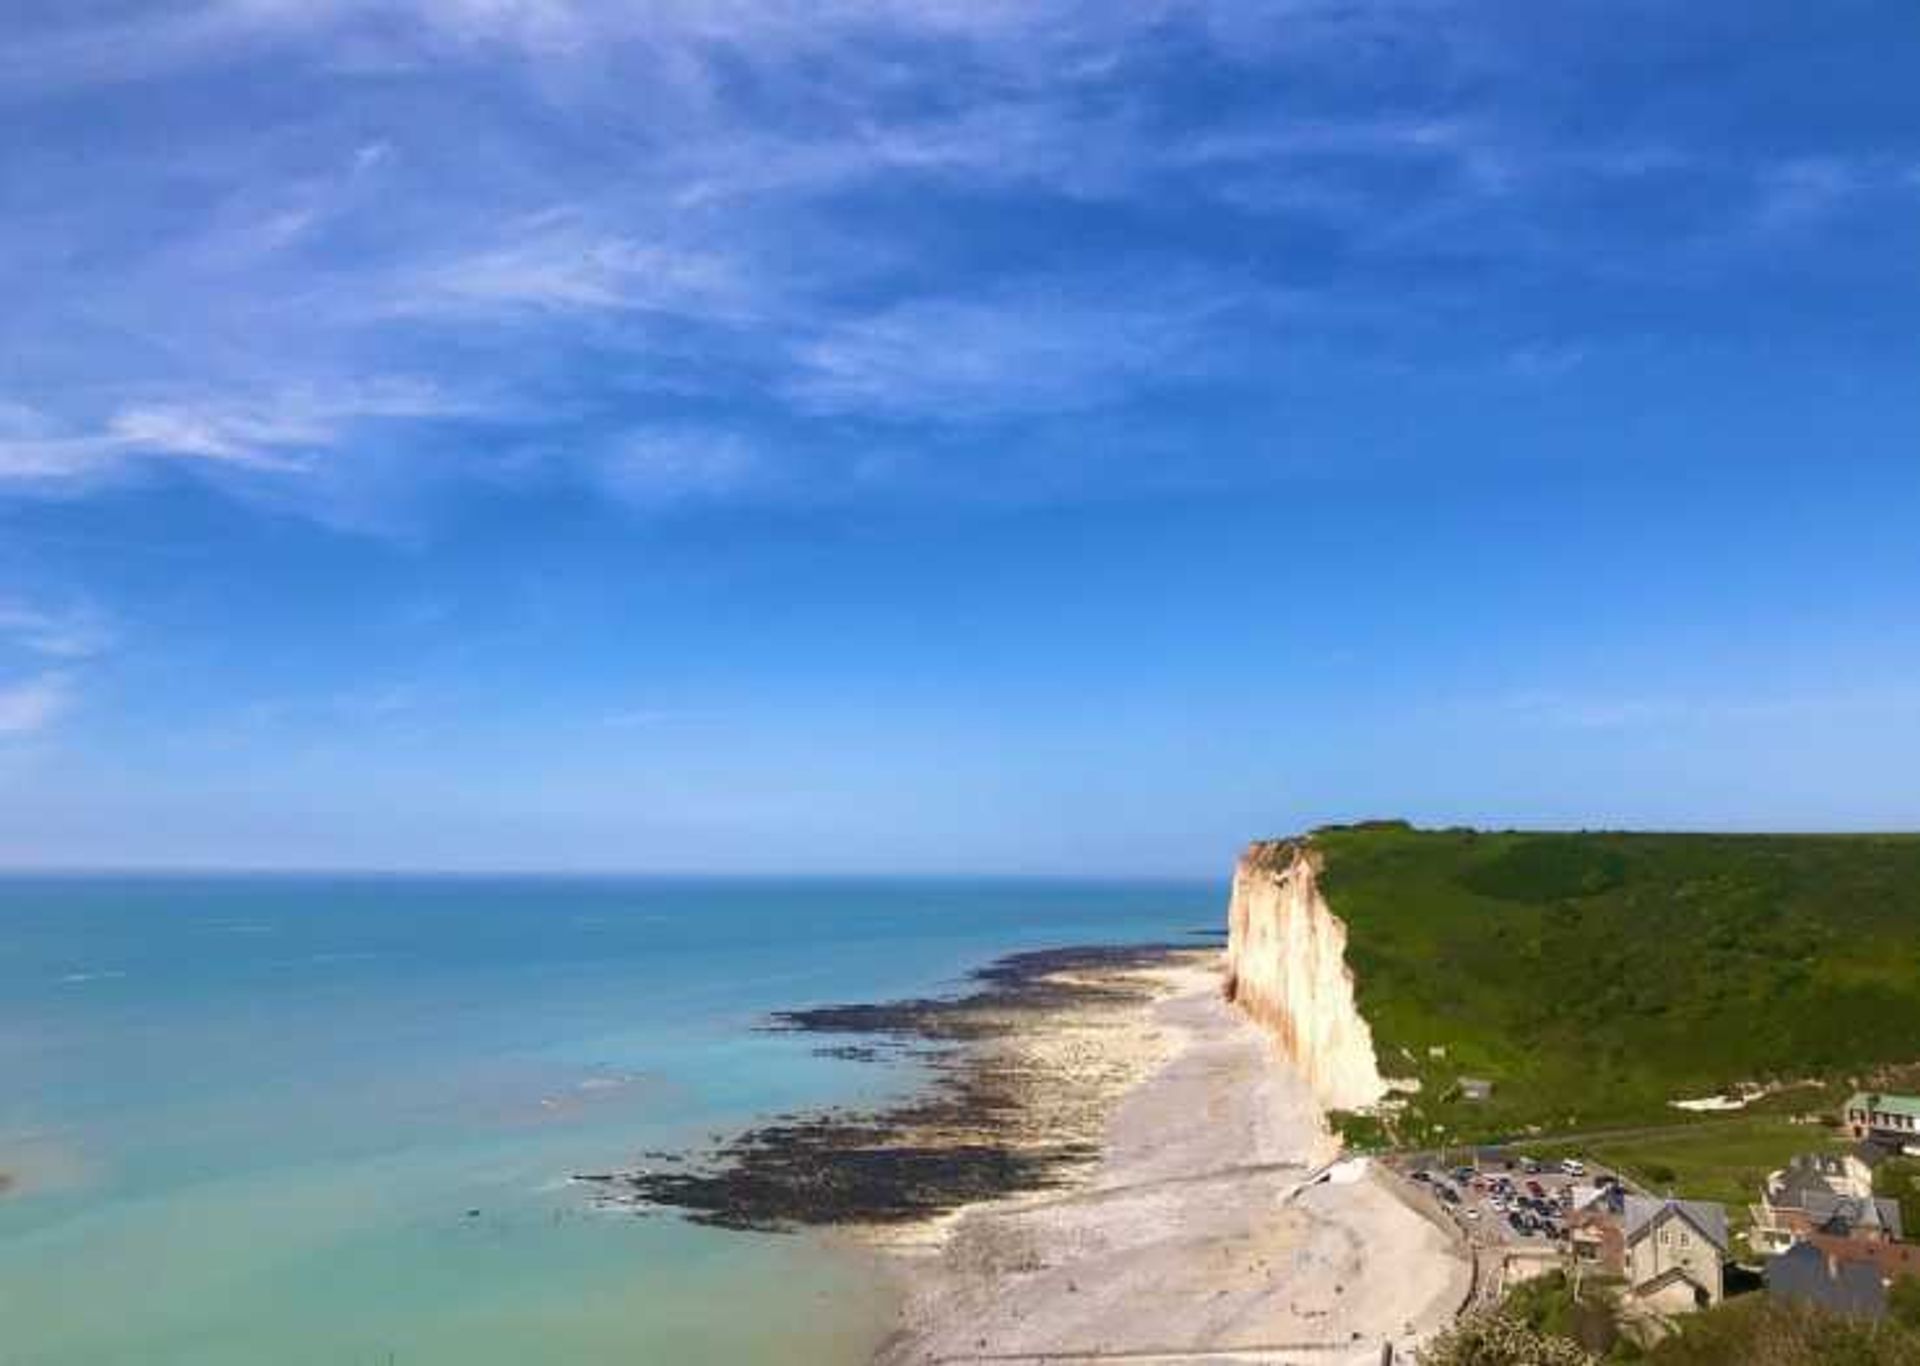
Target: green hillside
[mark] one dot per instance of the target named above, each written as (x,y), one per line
(1596,977)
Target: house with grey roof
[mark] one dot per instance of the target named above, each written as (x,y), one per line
(1675,1252)
(1806,1275)
(1830,1194)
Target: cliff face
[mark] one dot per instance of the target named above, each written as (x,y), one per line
(1287,968)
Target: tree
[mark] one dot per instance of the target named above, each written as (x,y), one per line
(1899,1178)
(1903,1301)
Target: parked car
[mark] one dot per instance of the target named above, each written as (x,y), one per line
(1573,1167)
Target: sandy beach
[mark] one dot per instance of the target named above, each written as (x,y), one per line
(1207,1230)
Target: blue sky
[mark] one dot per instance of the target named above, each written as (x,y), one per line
(949,434)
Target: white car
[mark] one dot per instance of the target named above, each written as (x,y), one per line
(1573,1168)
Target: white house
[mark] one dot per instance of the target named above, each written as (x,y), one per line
(1675,1252)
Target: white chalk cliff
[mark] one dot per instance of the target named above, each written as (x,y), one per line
(1287,969)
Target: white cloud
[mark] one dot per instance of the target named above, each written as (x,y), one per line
(1051,347)
(1801,192)
(275,431)
(55,644)
(74,633)
(673,465)
(32,705)
(556,262)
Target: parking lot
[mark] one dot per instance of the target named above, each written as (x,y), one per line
(1514,1200)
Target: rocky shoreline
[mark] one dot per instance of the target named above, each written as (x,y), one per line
(1023,1071)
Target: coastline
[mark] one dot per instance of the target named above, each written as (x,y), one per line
(1210,1229)
(1109,1162)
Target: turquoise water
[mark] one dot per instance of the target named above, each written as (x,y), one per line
(251,1119)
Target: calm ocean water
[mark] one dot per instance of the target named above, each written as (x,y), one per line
(247,1118)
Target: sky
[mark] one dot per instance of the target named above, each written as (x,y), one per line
(949,435)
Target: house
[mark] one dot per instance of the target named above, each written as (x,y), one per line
(1830,1194)
(1675,1252)
(1594,1232)
(1806,1275)
(1889,1259)
(1890,1120)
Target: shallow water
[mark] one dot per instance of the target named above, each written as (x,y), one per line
(331,1121)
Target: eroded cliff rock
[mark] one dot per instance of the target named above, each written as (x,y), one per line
(1287,968)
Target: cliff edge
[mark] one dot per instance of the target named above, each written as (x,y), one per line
(1287,969)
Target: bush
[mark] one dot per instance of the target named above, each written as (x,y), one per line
(1899,1178)
(1498,1339)
(1757,1331)
(1903,1301)
(1547,1304)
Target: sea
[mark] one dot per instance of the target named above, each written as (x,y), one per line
(281,1120)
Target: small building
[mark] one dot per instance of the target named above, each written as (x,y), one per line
(1675,1252)
(1830,1194)
(1805,1275)
(1475,1088)
(1594,1232)
(1882,1118)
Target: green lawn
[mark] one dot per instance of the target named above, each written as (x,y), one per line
(1717,1159)
(1596,977)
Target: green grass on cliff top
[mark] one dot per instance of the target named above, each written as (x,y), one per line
(1596,977)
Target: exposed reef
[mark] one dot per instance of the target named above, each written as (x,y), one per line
(1009,1107)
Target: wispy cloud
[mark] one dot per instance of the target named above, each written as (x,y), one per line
(818,214)
(71,634)
(274,432)
(554,261)
(668,466)
(1626,712)
(44,650)
(1053,345)
(1800,192)
(31,705)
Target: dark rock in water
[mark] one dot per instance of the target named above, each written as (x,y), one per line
(853,1052)
(962,1140)
(1026,983)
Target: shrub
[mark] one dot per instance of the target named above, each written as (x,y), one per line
(1903,1301)
(1757,1331)
(1497,1339)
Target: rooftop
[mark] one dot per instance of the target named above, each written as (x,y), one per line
(1880,1102)
(1804,1274)
(1709,1219)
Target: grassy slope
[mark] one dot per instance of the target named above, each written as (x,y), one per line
(1595,977)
